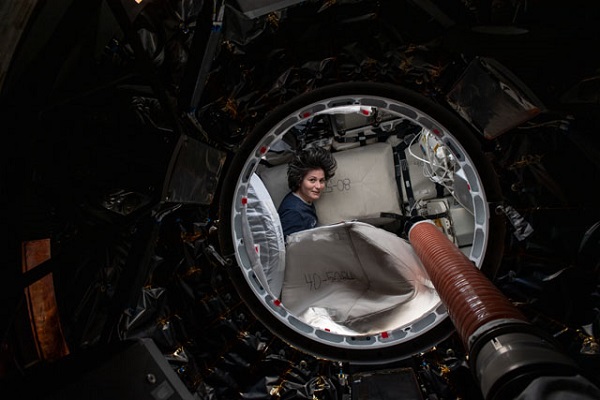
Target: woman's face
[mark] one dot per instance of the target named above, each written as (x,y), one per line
(312,185)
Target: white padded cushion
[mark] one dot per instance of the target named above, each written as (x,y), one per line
(363,187)
(263,237)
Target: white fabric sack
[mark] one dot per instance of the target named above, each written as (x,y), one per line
(354,277)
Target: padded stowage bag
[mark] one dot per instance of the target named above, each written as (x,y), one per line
(263,237)
(355,278)
(364,186)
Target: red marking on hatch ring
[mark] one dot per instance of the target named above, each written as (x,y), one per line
(436,131)
(244,201)
(384,335)
(327,330)
(263,149)
(277,302)
(305,114)
(365,112)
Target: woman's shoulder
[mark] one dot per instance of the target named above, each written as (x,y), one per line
(289,200)
(288,195)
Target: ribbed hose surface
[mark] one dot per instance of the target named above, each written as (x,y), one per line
(471,299)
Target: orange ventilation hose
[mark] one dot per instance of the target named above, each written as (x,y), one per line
(506,352)
(471,299)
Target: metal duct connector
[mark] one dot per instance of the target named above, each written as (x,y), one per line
(506,351)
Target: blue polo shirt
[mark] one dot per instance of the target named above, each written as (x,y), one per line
(296,215)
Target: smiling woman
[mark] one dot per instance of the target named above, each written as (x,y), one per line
(352,289)
(307,175)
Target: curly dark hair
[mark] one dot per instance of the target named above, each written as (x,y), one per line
(307,160)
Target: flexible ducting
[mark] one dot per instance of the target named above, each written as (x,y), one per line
(472,300)
(507,354)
